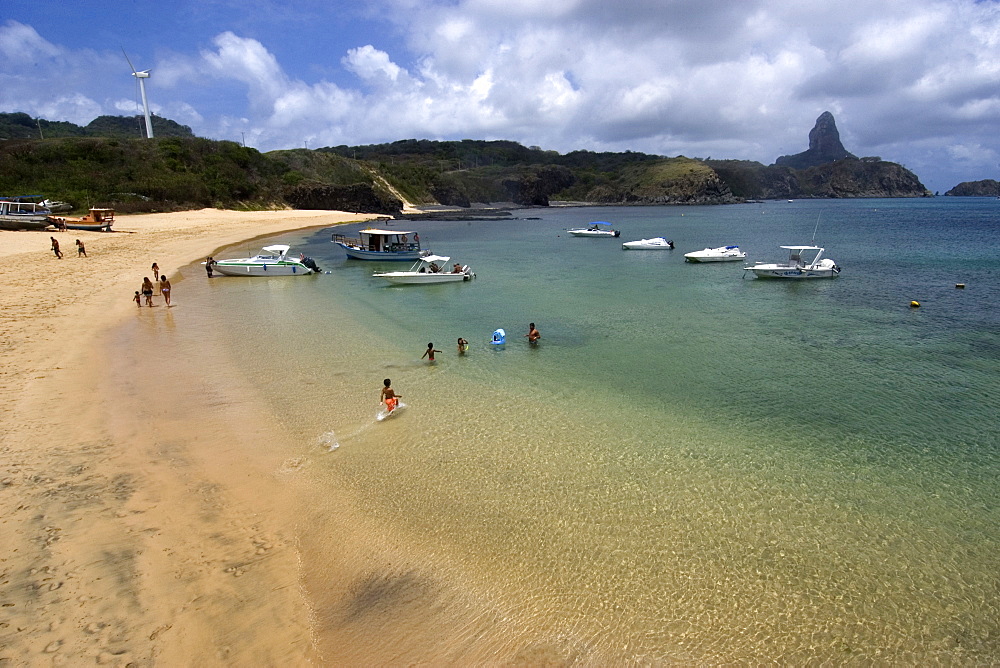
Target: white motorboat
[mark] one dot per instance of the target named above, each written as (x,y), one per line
(271,261)
(803,262)
(376,244)
(596,229)
(428,269)
(720,254)
(656,243)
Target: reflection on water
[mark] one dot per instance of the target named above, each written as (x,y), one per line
(690,467)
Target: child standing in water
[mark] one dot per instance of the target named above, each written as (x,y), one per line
(389,397)
(463,345)
(429,353)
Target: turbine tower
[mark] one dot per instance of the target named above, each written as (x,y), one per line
(142,76)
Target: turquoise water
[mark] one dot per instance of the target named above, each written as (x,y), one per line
(692,465)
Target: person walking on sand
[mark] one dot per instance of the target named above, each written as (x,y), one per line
(429,353)
(137,299)
(147,290)
(388,396)
(80,250)
(55,248)
(533,333)
(165,289)
(156,277)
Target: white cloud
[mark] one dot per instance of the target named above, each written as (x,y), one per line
(906,80)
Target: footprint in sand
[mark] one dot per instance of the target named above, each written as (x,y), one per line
(292,465)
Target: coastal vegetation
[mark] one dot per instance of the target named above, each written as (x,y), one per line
(107,163)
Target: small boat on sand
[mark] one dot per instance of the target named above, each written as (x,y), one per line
(428,269)
(271,261)
(98,220)
(596,229)
(23,213)
(656,243)
(803,262)
(720,254)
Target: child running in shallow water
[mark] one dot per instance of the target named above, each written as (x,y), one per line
(389,397)
(429,353)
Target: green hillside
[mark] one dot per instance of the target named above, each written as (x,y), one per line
(106,163)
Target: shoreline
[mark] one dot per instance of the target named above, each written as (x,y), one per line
(125,541)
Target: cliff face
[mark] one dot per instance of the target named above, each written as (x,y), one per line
(824,146)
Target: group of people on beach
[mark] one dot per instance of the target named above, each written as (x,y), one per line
(390,399)
(160,283)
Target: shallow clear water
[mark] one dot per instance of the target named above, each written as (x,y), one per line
(692,465)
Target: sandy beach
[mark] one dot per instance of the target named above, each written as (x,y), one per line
(124,544)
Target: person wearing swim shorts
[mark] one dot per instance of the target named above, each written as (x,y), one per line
(533,334)
(147,290)
(388,396)
(429,353)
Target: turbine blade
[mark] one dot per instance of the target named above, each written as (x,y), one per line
(129,61)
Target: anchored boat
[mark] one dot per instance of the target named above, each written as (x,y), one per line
(720,254)
(596,229)
(376,244)
(429,269)
(271,261)
(803,262)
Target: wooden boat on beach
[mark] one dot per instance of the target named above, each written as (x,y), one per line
(98,220)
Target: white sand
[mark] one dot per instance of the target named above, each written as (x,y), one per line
(113,551)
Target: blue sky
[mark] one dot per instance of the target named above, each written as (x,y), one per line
(915,82)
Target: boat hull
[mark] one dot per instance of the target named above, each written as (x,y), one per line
(261,268)
(93,227)
(647,244)
(794,273)
(391,256)
(721,254)
(593,233)
(23,223)
(416,278)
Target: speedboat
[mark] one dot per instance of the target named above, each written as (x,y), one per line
(596,229)
(656,243)
(803,262)
(376,244)
(271,261)
(23,213)
(428,269)
(720,254)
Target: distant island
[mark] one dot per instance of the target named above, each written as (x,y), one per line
(107,163)
(984,188)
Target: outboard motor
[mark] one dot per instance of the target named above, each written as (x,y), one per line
(309,262)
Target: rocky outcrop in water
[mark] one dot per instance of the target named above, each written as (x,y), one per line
(984,188)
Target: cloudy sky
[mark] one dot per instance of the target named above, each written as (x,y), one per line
(913,81)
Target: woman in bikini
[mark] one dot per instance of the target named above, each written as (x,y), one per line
(165,289)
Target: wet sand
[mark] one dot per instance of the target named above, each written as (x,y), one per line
(129,533)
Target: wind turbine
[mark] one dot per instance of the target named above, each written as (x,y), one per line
(142,76)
